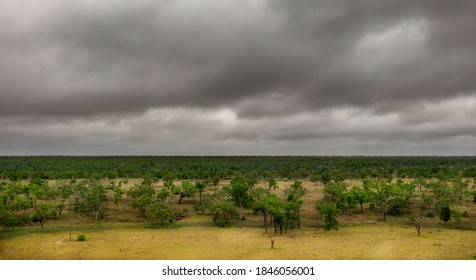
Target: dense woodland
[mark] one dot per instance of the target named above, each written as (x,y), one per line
(91,187)
(260,167)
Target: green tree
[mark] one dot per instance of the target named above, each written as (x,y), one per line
(381,194)
(446,193)
(95,199)
(251,182)
(9,193)
(200,186)
(60,207)
(215,181)
(292,211)
(186,189)
(262,203)
(360,195)
(325,178)
(293,204)
(80,190)
(279,218)
(163,194)
(272,184)
(334,191)
(66,190)
(142,196)
(21,203)
(223,212)
(240,193)
(117,192)
(348,202)
(8,219)
(162,213)
(296,190)
(39,188)
(169,182)
(42,214)
(329,211)
(270,206)
(401,196)
(422,201)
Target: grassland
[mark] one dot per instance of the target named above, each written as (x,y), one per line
(360,236)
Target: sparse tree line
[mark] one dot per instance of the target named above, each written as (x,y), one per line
(417,198)
(35,201)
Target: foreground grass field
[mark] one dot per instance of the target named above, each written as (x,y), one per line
(360,236)
(195,239)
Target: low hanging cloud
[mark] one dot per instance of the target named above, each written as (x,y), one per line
(228,77)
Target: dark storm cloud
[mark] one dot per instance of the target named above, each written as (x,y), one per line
(416,51)
(84,57)
(131,57)
(290,76)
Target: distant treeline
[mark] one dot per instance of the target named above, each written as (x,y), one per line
(17,168)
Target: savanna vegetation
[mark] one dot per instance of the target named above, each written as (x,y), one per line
(237,207)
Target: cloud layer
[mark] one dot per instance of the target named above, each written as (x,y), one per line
(246,77)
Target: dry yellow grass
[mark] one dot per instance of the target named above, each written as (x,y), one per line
(197,240)
(359,237)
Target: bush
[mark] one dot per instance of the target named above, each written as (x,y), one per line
(9,220)
(465,214)
(223,213)
(81,237)
(445,213)
(430,214)
(162,213)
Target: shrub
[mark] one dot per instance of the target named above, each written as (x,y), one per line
(9,220)
(445,213)
(465,214)
(430,214)
(223,213)
(81,237)
(162,213)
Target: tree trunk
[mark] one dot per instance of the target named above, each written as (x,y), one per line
(200,203)
(180,199)
(97,213)
(70,219)
(361,208)
(385,213)
(265,217)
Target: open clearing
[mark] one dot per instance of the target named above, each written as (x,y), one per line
(195,239)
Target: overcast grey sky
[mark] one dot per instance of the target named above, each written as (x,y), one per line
(208,77)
